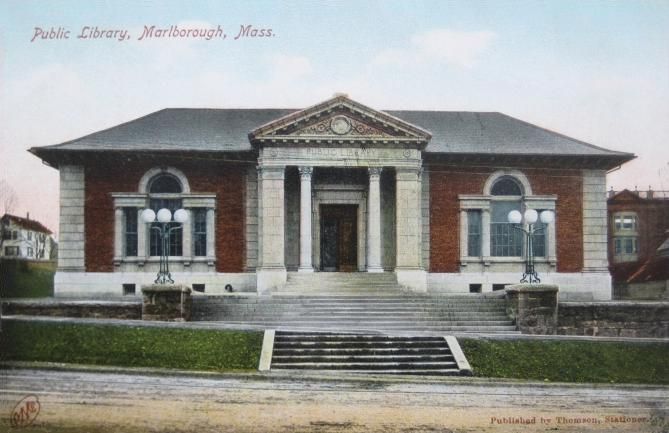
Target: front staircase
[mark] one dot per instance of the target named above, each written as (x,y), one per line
(367,353)
(357,302)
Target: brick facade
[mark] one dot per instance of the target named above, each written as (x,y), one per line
(653,223)
(224,180)
(447,183)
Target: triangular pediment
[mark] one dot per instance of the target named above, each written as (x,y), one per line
(625,196)
(339,120)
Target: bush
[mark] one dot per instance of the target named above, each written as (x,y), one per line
(26,278)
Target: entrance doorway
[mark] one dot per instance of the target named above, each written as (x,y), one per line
(339,238)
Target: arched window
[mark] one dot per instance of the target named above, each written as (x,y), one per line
(506,185)
(505,241)
(164,183)
(164,192)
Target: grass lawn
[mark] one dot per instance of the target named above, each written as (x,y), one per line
(26,279)
(569,361)
(190,349)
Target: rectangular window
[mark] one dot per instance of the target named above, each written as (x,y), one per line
(15,235)
(130,231)
(11,251)
(175,239)
(30,235)
(539,240)
(505,240)
(619,246)
(6,235)
(199,232)
(630,245)
(128,289)
(625,222)
(29,252)
(474,233)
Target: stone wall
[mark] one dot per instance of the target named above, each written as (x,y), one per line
(533,307)
(71,229)
(614,319)
(83,309)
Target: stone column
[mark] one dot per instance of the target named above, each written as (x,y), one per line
(464,236)
(374,221)
(409,270)
(272,273)
(305,219)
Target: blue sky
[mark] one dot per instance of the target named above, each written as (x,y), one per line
(594,70)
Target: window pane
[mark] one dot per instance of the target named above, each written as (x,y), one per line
(165,183)
(130,231)
(474,233)
(539,240)
(200,232)
(505,241)
(619,246)
(506,186)
(175,239)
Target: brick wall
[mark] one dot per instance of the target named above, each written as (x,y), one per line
(447,183)
(224,180)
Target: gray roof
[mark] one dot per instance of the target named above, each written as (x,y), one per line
(226,130)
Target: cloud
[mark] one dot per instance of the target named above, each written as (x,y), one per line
(457,48)
(289,67)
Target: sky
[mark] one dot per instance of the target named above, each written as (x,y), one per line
(594,70)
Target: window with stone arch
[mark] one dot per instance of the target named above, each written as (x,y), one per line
(507,195)
(484,228)
(165,192)
(165,187)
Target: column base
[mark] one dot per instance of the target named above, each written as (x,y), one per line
(306,269)
(374,269)
(413,279)
(272,278)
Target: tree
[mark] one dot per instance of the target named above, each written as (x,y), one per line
(40,245)
(8,201)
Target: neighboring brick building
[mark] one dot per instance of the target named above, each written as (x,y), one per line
(24,238)
(334,187)
(638,225)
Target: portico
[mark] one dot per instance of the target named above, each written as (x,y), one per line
(345,155)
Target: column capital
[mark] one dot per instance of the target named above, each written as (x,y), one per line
(271,172)
(408,173)
(375,171)
(305,172)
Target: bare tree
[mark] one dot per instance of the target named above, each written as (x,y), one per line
(40,245)
(8,201)
(8,197)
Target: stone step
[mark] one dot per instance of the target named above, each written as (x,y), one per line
(363,353)
(382,327)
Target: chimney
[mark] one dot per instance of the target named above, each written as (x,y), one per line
(28,215)
(650,192)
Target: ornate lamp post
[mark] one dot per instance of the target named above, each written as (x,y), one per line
(530,216)
(164,217)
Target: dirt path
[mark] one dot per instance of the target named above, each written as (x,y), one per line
(92,402)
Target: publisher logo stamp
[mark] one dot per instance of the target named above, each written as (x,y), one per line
(25,412)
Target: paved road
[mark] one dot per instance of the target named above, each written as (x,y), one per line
(107,402)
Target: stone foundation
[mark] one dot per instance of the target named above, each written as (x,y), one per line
(171,303)
(533,307)
(79,309)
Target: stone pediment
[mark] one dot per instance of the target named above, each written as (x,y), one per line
(339,120)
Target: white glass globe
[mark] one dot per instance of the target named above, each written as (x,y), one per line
(514,217)
(547,216)
(164,215)
(531,216)
(181,215)
(148,215)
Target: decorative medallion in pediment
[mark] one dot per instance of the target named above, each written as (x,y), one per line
(341,126)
